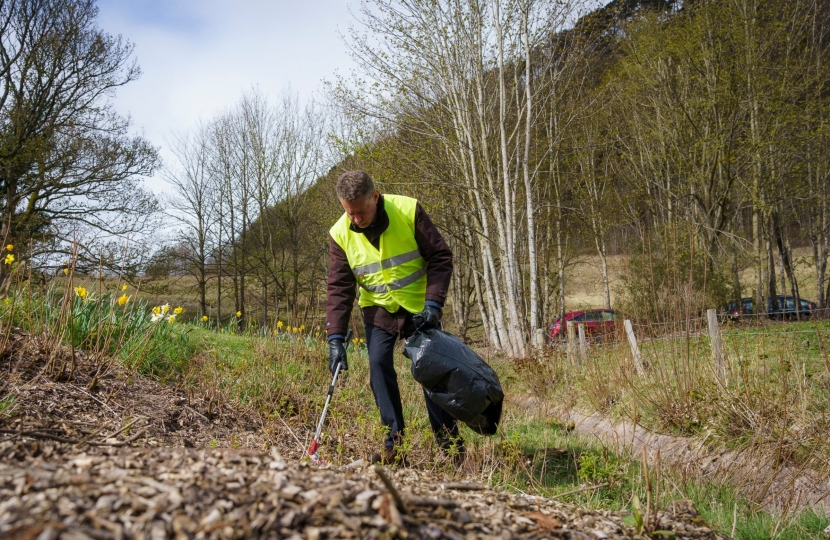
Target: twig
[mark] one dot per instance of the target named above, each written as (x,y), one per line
(94,433)
(580,490)
(197,412)
(291,431)
(81,390)
(114,528)
(121,443)
(464,486)
(423,501)
(38,435)
(125,428)
(399,502)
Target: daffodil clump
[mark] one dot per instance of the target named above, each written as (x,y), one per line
(164,313)
(9,259)
(111,324)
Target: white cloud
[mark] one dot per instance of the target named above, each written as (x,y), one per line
(198,57)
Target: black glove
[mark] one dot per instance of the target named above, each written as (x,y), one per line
(428,318)
(337,355)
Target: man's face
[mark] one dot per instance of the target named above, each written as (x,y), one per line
(361,211)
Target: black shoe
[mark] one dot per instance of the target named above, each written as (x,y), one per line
(389,456)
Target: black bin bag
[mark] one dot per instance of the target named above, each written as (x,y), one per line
(456,379)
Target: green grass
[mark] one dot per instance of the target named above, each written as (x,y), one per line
(7,405)
(717,505)
(549,461)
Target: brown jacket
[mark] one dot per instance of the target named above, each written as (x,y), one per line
(342,285)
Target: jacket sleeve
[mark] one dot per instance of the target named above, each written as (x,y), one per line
(437,255)
(340,291)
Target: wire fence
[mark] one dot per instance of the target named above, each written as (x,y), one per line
(786,335)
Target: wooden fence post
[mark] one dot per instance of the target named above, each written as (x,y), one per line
(540,338)
(635,350)
(571,341)
(715,343)
(583,343)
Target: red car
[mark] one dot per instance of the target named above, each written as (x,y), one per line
(598,323)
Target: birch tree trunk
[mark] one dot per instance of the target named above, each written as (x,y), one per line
(466,74)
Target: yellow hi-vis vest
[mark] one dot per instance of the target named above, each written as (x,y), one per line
(395,276)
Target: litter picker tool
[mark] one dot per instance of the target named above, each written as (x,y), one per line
(312,450)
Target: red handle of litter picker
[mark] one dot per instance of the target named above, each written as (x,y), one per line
(313,448)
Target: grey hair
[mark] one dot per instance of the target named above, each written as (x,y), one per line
(354,184)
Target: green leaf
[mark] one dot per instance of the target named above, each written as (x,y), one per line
(629,520)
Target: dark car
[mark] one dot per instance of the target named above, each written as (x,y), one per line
(784,308)
(598,323)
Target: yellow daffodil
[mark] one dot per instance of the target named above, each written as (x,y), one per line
(178,310)
(222,330)
(9,259)
(157,310)
(279,324)
(361,340)
(10,247)
(80,291)
(123,299)
(204,318)
(7,301)
(124,287)
(238,313)
(66,271)
(302,327)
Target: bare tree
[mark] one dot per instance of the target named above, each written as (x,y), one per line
(67,163)
(195,204)
(468,74)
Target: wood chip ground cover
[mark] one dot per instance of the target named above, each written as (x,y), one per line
(133,459)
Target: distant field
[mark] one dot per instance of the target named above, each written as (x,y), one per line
(584,281)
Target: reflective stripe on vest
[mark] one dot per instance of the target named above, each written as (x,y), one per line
(386,263)
(390,277)
(395,285)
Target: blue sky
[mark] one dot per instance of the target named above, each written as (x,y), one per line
(199,56)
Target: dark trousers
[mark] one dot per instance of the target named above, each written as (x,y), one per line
(384,382)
